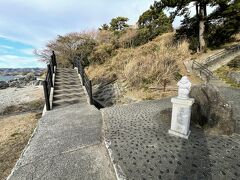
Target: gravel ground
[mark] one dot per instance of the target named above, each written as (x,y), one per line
(15,96)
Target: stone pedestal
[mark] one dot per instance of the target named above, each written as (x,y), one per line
(181,113)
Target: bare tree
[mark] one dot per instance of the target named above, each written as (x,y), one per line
(67,47)
(167,69)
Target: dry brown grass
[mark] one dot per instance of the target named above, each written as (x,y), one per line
(32,106)
(237,37)
(15,132)
(141,67)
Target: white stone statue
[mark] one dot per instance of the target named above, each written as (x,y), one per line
(181,111)
(184,87)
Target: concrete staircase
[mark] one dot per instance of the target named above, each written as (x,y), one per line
(213,62)
(218,82)
(67,88)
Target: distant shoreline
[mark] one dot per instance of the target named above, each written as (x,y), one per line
(7,78)
(7,74)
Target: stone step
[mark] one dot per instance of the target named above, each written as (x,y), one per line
(59,87)
(66,76)
(65,70)
(68,91)
(65,97)
(71,72)
(67,102)
(67,83)
(65,80)
(67,88)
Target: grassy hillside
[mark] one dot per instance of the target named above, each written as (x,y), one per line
(144,69)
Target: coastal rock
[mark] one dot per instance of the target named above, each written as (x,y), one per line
(211,110)
(27,80)
(234,76)
(3,85)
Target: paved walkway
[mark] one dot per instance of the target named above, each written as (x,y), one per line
(141,147)
(67,144)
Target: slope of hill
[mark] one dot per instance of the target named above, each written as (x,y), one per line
(144,69)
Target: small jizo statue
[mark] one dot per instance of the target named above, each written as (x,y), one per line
(184,86)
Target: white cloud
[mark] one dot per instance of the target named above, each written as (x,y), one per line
(28,52)
(36,22)
(11,61)
(5,47)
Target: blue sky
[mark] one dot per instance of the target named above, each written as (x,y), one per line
(26,25)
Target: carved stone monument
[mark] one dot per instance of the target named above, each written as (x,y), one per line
(181,111)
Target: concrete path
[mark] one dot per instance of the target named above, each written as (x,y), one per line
(67,144)
(137,136)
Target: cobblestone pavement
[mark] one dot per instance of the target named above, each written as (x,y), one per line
(141,148)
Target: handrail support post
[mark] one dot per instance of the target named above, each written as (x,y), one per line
(46,95)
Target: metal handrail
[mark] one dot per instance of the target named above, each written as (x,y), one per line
(48,82)
(202,69)
(222,54)
(85,80)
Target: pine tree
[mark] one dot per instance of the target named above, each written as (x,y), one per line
(181,8)
(118,23)
(154,22)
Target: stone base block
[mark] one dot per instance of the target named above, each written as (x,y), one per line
(179,134)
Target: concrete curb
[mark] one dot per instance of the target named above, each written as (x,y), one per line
(117,168)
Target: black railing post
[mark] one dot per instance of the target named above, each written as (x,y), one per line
(52,66)
(78,68)
(90,92)
(50,75)
(74,64)
(46,95)
(82,74)
(53,58)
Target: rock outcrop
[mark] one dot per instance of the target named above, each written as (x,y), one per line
(211,110)
(23,81)
(28,80)
(3,85)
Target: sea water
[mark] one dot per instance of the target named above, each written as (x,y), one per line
(7,78)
